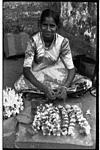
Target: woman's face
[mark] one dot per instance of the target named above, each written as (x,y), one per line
(48,28)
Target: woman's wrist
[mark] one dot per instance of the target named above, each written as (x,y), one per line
(44,89)
(67,85)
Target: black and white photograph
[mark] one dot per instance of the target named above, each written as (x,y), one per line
(50,75)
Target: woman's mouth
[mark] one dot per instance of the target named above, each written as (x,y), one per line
(48,34)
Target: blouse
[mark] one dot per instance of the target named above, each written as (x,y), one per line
(37,52)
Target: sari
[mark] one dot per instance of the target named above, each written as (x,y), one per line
(50,65)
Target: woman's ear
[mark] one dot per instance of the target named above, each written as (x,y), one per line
(57,29)
(39,25)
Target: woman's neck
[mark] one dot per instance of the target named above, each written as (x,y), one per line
(47,41)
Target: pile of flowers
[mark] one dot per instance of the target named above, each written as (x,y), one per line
(12,103)
(60,120)
(47,119)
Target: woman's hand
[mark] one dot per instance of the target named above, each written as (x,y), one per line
(29,75)
(61,93)
(50,94)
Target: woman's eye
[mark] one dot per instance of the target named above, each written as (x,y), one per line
(52,25)
(45,25)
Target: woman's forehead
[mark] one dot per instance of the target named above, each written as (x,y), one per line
(49,20)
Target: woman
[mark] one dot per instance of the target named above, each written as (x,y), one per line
(48,64)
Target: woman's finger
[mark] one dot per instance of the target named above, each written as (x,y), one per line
(51,94)
(62,93)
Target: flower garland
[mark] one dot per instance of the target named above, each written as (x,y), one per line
(12,103)
(60,120)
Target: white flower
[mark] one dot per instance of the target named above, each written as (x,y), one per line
(87,129)
(88,112)
(12,102)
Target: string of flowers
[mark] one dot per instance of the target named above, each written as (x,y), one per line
(12,103)
(60,120)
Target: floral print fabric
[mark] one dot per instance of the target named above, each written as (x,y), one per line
(47,63)
(36,50)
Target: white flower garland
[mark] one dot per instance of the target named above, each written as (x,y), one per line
(60,120)
(12,103)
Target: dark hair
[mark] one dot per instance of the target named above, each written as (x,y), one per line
(50,13)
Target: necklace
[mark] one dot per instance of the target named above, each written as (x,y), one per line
(48,45)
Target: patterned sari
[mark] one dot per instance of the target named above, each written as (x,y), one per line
(50,65)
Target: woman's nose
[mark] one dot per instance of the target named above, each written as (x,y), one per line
(48,28)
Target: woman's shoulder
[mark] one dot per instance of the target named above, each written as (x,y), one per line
(61,37)
(36,36)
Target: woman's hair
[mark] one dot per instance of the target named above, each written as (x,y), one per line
(50,13)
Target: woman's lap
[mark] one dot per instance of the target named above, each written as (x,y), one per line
(53,77)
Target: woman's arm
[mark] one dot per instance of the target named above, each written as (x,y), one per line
(67,60)
(28,61)
(28,75)
(71,74)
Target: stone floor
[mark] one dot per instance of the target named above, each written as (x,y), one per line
(87,102)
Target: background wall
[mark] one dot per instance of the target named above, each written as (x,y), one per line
(24,16)
(78,18)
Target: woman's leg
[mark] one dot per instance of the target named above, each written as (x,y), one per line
(52,75)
